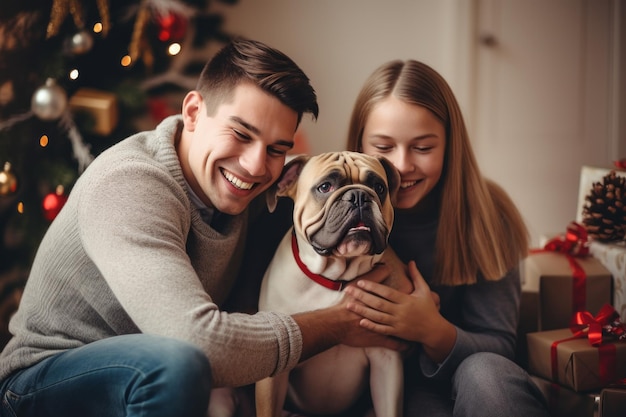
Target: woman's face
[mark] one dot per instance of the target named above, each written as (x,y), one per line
(413,139)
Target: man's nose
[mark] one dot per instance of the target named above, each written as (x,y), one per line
(253,159)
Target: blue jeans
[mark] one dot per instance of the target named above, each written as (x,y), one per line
(484,385)
(130,375)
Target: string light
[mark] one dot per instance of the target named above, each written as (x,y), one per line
(126,61)
(20,207)
(97,27)
(43,141)
(74,74)
(174,49)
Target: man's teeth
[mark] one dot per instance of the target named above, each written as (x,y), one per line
(407,184)
(237,182)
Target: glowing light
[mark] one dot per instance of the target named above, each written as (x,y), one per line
(97,28)
(20,207)
(43,141)
(73,74)
(174,49)
(126,60)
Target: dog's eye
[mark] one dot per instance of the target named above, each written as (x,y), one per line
(325,187)
(380,188)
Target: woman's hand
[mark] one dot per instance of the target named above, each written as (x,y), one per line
(326,327)
(412,317)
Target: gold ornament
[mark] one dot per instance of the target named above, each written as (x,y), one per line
(76,10)
(61,8)
(101,106)
(58,13)
(6,93)
(8,181)
(103,8)
(143,16)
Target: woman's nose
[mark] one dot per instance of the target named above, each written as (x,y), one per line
(402,161)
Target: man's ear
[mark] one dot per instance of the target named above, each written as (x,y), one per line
(192,105)
(393,178)
(285,186)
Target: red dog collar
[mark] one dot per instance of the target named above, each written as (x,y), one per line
(322,280)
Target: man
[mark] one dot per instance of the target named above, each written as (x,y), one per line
(121,313)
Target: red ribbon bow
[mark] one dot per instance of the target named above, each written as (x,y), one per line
(607,321)
(584,322)
(575,242)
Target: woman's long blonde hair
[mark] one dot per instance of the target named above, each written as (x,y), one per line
(480,230)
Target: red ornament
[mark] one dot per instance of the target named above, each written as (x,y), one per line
(172,27)
(53,203)
(159,109)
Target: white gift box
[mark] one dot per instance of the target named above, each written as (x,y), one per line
(613,257)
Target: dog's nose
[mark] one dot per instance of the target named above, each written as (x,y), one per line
(358,198)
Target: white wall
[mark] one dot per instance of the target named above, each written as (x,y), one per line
(338,43)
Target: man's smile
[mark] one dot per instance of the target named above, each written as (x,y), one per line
(237,182)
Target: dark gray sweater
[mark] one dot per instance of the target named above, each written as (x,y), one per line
(485,314)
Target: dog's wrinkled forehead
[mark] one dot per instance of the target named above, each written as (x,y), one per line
(304,175)
(353,167)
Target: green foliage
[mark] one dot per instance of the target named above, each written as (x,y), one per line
(28,57)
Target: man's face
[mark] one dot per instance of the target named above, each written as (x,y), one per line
(230,157)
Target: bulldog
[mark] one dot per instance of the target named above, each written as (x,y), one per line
(341,222)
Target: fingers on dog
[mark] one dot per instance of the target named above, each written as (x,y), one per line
(368,303)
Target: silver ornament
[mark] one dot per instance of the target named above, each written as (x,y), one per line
(80,43)
(49,101)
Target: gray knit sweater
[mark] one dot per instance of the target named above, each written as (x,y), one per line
(129,253)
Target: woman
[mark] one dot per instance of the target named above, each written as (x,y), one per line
(462,237)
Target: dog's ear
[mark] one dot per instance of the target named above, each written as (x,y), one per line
(393,178)
(286,182)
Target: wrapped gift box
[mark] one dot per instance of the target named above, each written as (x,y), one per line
(613,257)
(548,291)
(579,365)
(100,105)
(564,402)
(612,402)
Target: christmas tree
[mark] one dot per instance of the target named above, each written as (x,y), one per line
(77,76)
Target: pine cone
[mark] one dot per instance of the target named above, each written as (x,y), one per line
(604,213)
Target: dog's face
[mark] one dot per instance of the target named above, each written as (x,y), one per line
(342,201)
